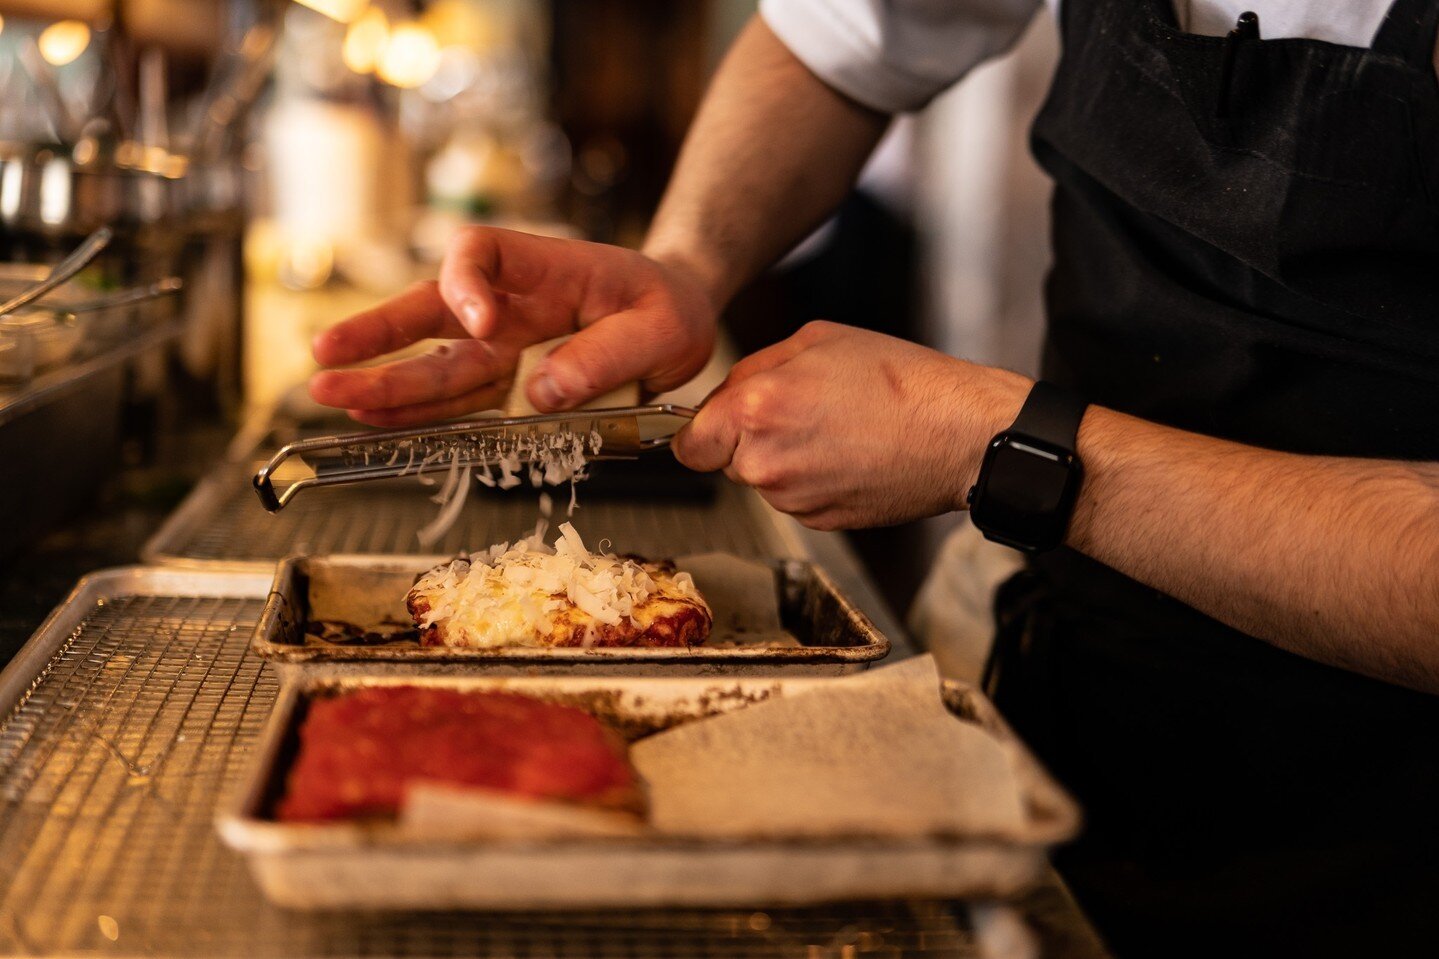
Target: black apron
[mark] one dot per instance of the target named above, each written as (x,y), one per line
(1246,245)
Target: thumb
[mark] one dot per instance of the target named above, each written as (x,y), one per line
(626,347)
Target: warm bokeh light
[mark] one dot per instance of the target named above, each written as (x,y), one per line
(62,42)
(2,24)
(344,11)
(458,23)
(411,57)
(365,41)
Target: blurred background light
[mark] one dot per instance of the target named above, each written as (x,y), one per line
(342,10)
(411,56)
(62,42)
(365,41)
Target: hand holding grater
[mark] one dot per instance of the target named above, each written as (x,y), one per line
(541,443)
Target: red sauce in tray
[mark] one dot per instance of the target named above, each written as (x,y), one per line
(359,749)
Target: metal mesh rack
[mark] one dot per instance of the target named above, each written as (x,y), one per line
(222,520)
(138,706)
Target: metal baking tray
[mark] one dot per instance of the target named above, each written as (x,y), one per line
(371,866)
(834,636)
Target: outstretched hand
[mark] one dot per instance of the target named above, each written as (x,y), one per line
(634,319)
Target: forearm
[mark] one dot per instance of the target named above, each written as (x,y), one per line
(771,153)
(1334,559)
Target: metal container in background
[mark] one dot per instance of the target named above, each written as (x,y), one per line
(57,452)
(51,194)
(60,433)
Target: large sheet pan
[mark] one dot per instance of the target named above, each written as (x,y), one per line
(138,704)
(372,866)
(834,636)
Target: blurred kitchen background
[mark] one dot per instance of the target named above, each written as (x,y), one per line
(285,164)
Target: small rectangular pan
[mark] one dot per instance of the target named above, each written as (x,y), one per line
(833,636)
(373,866)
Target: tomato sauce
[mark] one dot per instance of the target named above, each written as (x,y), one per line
(358,750)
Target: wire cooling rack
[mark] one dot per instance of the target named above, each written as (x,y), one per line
(137,707)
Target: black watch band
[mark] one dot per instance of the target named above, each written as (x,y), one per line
(1052,414)
(1029,480)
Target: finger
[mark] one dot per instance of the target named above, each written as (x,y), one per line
(762,361)
(486,266)
(486,398)
(471,264)
(708,441)
(448,370)
(416,314)
(625,347)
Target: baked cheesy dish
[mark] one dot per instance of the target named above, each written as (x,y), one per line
(361,750)
(532,594)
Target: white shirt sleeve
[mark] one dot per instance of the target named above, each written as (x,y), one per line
(896,55)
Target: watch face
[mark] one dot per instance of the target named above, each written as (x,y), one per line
(1024,493)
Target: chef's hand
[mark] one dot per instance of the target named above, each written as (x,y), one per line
(500,291)
(846,428)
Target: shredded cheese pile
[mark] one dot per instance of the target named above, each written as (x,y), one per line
(521,584)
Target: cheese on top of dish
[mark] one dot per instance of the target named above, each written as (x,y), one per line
(515,589)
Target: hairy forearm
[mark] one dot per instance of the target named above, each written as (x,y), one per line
(1334,559)
(771,153)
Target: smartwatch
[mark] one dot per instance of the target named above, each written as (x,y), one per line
(1030,477)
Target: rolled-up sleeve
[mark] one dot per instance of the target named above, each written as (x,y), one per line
(896,55)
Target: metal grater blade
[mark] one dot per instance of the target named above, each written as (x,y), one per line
(496,442)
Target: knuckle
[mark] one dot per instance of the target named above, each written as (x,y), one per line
(757,404)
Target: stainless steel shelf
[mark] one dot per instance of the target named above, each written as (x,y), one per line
(137,706)
(17,401)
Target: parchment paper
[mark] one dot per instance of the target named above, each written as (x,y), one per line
(438,811)
(877,754)
(364,595)
(743,595)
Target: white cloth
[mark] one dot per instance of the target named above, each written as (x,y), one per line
(897,55)
(953,615)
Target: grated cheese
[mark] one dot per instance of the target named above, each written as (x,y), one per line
(517,585)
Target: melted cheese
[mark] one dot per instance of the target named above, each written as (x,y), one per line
(530,592)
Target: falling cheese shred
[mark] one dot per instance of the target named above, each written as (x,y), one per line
(545,459)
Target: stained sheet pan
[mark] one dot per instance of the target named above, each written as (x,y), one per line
(374,867)
(833,636)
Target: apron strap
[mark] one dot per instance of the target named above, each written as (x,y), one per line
(1409,31)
